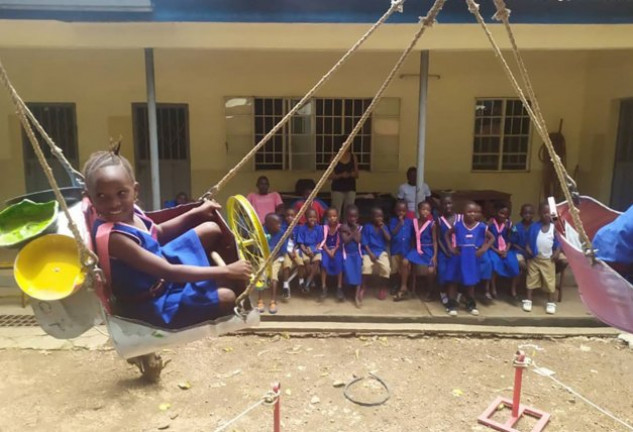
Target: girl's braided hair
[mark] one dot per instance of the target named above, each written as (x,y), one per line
(102,159)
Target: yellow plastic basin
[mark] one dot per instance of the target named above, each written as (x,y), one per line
(48,268)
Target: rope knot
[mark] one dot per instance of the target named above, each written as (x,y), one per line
(397,5)
(503,13)
(427,21)
(472,6)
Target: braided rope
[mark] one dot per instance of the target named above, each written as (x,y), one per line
(396,6)
(426,22)
(88,258)
(535,114)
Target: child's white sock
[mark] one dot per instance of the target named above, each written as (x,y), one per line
(286,284)
(301,281)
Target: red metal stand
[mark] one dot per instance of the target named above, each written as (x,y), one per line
(277,409)
(520,362)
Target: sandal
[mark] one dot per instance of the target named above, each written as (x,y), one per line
(272,307)
(260,306)
(401,295)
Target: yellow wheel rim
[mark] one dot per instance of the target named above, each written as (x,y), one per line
(249,234)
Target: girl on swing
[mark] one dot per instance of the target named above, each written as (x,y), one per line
(160,274)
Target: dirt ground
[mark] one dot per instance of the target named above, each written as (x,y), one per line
(437,384)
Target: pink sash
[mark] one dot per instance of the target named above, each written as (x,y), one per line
(418,233)
(326,229)
(501,241)
(448,224)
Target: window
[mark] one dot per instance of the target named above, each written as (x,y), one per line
(60,123)
(307,141)
(336,117)
(502,135)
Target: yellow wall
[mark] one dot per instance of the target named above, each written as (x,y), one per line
(103,83)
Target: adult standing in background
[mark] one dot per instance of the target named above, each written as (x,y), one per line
(344,179)
(264,201)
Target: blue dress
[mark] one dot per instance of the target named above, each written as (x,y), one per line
(332,266)
(352,262)
(469,240)
(310,238)
(179,304)
(401,241)
(447,265)
(422,253)
(373,237)
(507,267)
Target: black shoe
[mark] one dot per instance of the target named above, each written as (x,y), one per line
(285,293)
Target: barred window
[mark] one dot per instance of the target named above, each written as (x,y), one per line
(173,131)
(502,135)
(307,141)
(338,117)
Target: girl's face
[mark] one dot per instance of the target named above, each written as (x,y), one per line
(425,210)
(502,214)
(311,217)
(273,225)
(470,214)
(332,217)
(113,193)
(290,216)
(401,210)
(447,206)
(352,216)
(262,186)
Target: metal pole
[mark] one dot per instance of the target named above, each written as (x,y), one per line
(153,131)
(277,409)
(519,364)
(424,80)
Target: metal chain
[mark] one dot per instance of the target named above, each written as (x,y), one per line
(88,259)
(396,6)
(426,22)
(538,120)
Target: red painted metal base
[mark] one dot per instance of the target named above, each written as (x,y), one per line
(486,417)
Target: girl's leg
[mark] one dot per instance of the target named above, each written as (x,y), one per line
(358,298)
(405,269)
(513,287)
(429,279)
(451,304)
(340,295)
(272,307)
(491,292)
(260,300)
(471,305)
(323,284)
(209,234)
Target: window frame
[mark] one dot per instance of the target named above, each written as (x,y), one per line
(501,135)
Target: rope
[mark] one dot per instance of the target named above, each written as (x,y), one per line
(270,398)
(535,114)
(88,258)
(367,404)
(584,399)
(396,6)
(426,22)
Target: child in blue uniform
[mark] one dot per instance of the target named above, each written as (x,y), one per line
(473,240)
(292,258)
(309,238)
(375,240)
(159,274)
(331,254)
(272,225)
(519,235)
(424,252)
(485,263)
(352,254)
(502,255)
(614,244)
(543,249)
(401,229)
(447,263)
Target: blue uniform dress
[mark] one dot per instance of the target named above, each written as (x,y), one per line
(332,266)
(447,265)
(175,304)
(401,241)
(422,253)
(507,267)
(353,262)
(469,240)
(310,237)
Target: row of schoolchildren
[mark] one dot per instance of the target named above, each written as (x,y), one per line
(460,249)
